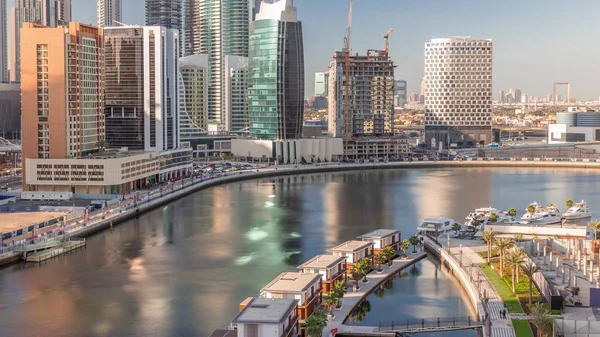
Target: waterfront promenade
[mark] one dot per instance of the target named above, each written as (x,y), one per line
(352,298)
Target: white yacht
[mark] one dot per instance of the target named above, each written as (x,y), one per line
(435,226)
(542,215)
(578,211)
(483,215)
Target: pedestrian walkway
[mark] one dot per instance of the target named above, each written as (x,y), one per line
(501,327)
(352,298)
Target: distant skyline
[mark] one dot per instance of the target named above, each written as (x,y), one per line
(535,43)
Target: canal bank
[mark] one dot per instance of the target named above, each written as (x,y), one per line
(140,208)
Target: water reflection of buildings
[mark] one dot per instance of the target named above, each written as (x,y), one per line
(443,193)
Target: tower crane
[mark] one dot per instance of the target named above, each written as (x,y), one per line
(386,43)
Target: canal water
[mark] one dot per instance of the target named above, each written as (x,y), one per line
(183,269)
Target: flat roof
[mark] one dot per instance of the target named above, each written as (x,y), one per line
(223,333)
(322,261)
(351,246)
(266,310)
(379,233)
(292,282)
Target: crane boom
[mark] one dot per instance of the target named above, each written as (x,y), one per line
(386,42)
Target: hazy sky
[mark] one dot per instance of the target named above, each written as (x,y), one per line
(536,43)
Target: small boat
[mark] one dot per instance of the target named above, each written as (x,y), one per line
(435,226)
(578,211)
(542,215)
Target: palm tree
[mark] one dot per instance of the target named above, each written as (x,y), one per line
(493,217)
(514,260)
(339,289)
(404,246)
(315,323)
(330,301)
(518,238)
(414,241)
(379,260)
(456,227)
(503,244)
(530,269)
(389,253)
(531,209)
(540,318)
(356,275)
(512,212)
(365,267)
(489,236)
(595,225)
(569,203)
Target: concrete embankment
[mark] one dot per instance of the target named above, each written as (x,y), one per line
(12,257)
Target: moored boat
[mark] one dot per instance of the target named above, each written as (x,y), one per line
(579,210)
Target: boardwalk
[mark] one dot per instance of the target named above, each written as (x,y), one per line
(353,298)
(500,327)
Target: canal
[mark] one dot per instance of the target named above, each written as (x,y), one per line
(182,270)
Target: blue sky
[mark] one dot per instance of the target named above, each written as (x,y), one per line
(536,43)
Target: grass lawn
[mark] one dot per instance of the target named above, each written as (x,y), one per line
(522,328)
(512,303)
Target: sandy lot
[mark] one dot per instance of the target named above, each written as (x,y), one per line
(13,221)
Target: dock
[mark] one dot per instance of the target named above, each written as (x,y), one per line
(63,248)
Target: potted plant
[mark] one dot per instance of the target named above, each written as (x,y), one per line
(414,241)
(379,259)
(404,247)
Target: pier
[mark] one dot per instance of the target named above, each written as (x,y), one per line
(54,251)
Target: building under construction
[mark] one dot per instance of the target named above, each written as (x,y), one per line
(369,93)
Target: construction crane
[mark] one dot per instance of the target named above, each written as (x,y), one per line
(386,43)
(348,88)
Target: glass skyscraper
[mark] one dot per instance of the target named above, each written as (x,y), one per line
(276,72)
(165,13)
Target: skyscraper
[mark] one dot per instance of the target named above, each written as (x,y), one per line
(61,90)
(24,11)
(109,13)
(236,97)
(458,91)
(321,84)
(276,72)
(3,43)
(219,29)
(193,93)
(165,13)
(141,87)
(400,92)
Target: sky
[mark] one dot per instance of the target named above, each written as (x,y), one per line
(536,43)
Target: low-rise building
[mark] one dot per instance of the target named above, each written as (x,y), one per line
(353,251)
(306,288)
(374,148)
(290,151)
(331,268)
(267,317)
(382,238)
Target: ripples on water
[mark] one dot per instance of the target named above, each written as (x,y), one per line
(182,270)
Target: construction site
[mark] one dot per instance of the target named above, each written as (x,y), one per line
(361,102)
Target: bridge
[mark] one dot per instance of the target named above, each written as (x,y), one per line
(430,325)
(502,128)
(7,146)
(38,246)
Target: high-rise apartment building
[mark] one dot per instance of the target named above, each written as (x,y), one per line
(165,13)
(236,96)
(219,29)
(193,97)
(371,97)
(109,13)
(321,84)
(458,93)
(141,87)
(400,93)
(61,91)
(276,72)
(501,96)
(3,43)
(63,11)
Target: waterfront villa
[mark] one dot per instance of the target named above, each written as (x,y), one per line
(382,238)
(306,288)
(330,267)
(267,317)
(353,251)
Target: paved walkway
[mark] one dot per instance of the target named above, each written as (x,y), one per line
(500,327)
(353,298)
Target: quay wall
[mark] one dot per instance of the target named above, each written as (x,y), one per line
(305,169)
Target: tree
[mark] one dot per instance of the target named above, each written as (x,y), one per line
(364,265)
(493,217)
(503,244)
(223,156)
(404,247)
(512,212)
(569,203)
(531,209)
(518,238)
(315,323)
(379,259)
(456,227)
(530,269)
(101,144)
(414,241)
(357,275)
(489,236)
(540,317)
(595,225)
(389,253)
(339,289)
(330,301)
(514,260)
